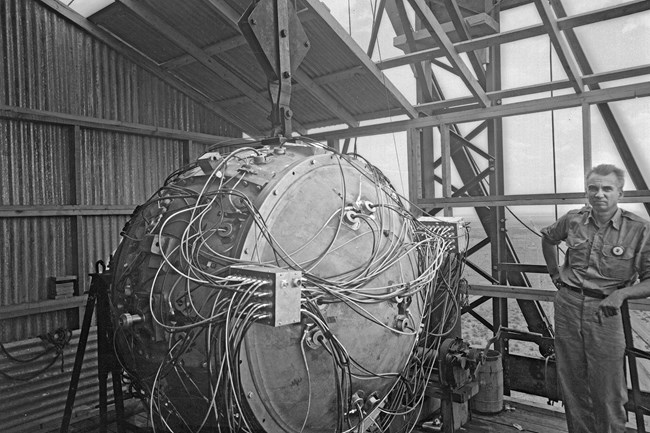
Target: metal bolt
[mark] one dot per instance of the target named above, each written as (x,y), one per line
(283,33)
(286,74)
(306,44)
(250,394)
(253,21)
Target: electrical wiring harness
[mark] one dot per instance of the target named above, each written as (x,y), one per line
(281,288)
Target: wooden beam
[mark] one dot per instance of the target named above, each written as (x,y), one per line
(559,43)
(148,65)
(414,166)
(463,33)
(479,25)
(64,210)
(184,43)
(445,146)
(380,114)
(619,93)
(444,66)
(319,8)
(212,50)
(324,98)
(375,27)
(323,80)
(28,114)
(77,223)
(227,44)
(433,25)
(533,294)
(426,91)
(563,23)
(40,307)
(528,199)
(619,74)
(620,10)
(225,10)
(475,132)
(460,192)
(586,138)
(511,4)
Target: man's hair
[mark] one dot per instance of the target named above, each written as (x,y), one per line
(605,169)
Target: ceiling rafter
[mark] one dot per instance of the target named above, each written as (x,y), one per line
(178,39)
(212,50)
(324,98)
(299,76)
(225,10)
(443,41)
(319,9)
(147,64)
(559,43)
(462,29)
(563,23)
(323,80)
(230,15)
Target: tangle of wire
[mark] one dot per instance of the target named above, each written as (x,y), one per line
(192,298)
(56,340)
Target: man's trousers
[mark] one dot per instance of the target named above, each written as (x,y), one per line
(590,364)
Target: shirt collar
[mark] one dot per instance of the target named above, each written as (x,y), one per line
(615,221)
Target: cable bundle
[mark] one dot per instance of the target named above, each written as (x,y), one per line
(199,350)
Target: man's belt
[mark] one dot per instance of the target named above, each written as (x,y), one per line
(590,293)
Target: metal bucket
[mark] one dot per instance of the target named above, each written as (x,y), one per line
(489,399)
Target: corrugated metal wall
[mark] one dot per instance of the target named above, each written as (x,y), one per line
(29,406)
(47,63)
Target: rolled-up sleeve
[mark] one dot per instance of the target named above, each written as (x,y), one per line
(556,232)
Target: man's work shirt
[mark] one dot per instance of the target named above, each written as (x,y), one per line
(602,258)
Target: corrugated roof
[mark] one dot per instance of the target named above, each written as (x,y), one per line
(163,29)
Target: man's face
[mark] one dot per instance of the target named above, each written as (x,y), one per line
(603,192)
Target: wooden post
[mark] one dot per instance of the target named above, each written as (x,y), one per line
(445,144)
(586,136)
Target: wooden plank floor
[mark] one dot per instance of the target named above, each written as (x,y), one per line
(527,416)
(519,416)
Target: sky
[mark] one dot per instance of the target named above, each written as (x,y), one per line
(530,141)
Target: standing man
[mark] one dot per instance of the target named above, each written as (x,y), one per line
(607,262)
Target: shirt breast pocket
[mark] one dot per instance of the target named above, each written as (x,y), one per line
(618,262)
(578,253)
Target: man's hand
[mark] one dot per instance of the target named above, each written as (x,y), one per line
(556,280)
(610,306)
